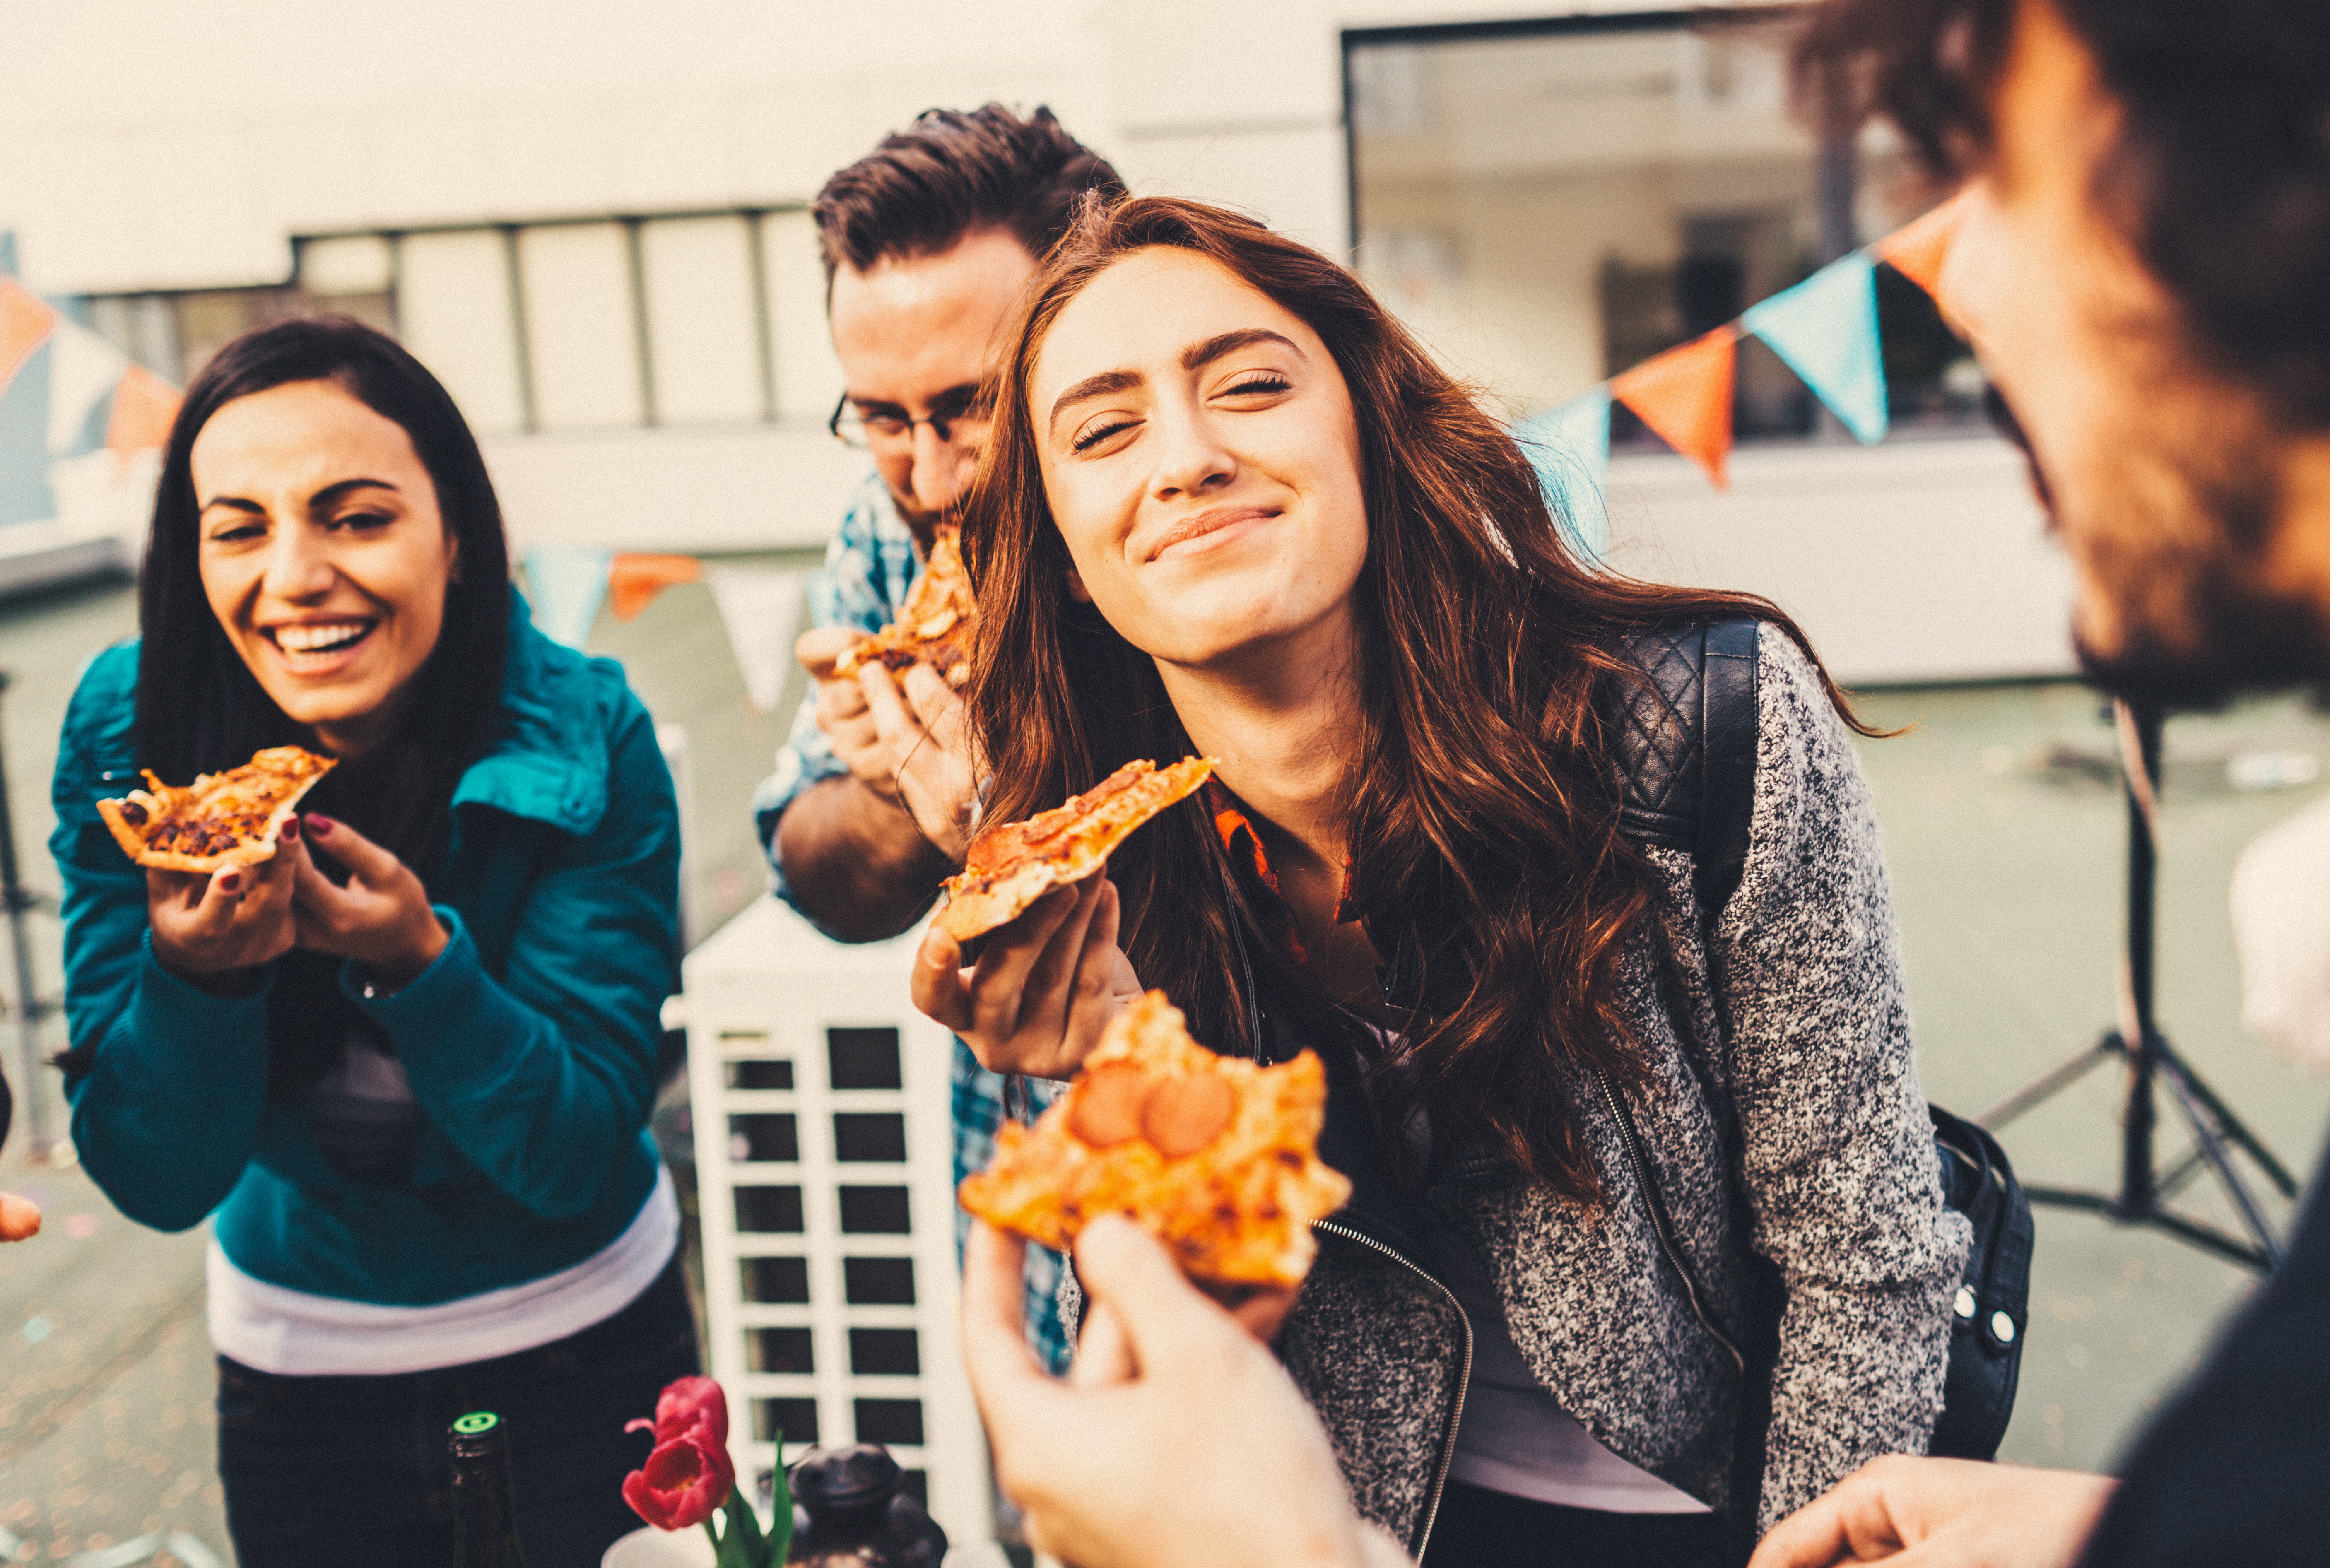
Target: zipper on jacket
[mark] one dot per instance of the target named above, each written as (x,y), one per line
(1463,1379)
(1659,1226)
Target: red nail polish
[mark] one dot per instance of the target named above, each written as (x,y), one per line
(321,827)
(291,825)
(229,881)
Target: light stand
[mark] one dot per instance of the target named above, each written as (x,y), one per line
(16,903)
(2144,1188)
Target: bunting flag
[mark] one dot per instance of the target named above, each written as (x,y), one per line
(1570,447)
(25,322)
(634,580)
(1918,248)
(760,608)
(82,369)
(1826,328)
(145,406)
(1685,396)
(567,586)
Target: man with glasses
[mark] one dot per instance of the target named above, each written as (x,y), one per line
(927,242)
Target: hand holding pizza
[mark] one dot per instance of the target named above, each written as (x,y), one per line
(925,730)
(208,926)
(380,918)
(842,710)
(1044,986)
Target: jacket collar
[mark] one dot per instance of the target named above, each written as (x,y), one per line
(546,759)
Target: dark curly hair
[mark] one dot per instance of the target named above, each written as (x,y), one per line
(2222,176)
(950,173)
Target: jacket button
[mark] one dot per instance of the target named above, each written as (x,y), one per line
(1966,1305)
(2002,1327)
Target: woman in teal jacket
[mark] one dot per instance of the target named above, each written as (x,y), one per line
(407,1063)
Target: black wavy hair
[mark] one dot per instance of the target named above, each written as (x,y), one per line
(2221,174)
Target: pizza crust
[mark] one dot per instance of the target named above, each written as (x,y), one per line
(276,779)
(936,625)
(1008,868)
(1233,1191)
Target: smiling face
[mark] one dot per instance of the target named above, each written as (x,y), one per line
(1202,462)
(323,555)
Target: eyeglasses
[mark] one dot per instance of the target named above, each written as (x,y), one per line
(965,420)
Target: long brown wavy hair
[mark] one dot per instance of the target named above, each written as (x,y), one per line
(1482,816)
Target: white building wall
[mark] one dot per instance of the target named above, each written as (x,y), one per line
(145,147)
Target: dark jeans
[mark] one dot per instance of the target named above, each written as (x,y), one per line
(352,1471)
(1478,1529)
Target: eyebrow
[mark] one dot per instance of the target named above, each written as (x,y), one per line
(1195,354)
(323,498)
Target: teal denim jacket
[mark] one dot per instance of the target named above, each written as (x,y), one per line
(530,1043)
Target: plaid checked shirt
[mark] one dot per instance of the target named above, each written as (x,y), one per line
(869,568)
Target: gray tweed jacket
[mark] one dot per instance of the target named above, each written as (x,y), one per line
(1780,1117)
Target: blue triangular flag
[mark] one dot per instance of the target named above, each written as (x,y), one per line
(566,585)
(1826,327)
(1570,447)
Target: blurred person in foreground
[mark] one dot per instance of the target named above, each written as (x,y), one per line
(404,1066)
(927,242)
(2145,269)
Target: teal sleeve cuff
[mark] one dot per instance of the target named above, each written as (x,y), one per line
(183,1039)
(451,1014)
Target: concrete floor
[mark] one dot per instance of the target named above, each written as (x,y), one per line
(2006,839)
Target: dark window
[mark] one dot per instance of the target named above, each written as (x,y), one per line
(762,1138)
(863,1058)
(876,1211)
(769,1209)
(916,1484)
(878,1282)
(884,1353)
(780,1279)
(870,1136)
(779,1350)
(796,1418)
(890,1421)
(760,1074)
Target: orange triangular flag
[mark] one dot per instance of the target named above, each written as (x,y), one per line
(634,580)
(25,322)
(145,406)
(1685,395)
(1918,248)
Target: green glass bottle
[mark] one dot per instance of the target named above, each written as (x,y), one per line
(485,1505)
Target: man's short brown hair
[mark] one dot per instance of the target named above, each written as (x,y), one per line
(949,174)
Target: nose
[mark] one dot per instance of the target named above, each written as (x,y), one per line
(298,565)
(1192,458)
(938,470)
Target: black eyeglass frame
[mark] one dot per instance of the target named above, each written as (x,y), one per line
(975,412)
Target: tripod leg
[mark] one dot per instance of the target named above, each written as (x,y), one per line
(2063,1074)
(2232,1126)
(2212,1147)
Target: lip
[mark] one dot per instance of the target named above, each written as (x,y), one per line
(1207,530)
(325,661)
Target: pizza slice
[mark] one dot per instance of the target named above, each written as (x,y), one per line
(1011,866)
(1215,1156)
(935,625)
(221,820)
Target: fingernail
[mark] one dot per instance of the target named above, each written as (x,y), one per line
(291,826)
(229,881)
(321,827)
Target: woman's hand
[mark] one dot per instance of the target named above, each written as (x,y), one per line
(381,919)
(208,929)
(1044,986)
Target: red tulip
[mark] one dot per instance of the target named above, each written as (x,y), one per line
(686,1478)
(686,1404)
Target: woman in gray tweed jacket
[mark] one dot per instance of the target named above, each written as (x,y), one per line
(1603,1140)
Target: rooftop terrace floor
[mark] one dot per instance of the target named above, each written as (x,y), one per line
(2006,839)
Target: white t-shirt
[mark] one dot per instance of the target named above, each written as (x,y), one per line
(1514,1437)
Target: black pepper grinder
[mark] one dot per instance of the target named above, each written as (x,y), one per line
(852,1512)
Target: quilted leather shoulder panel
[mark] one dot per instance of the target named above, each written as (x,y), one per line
(1659,737)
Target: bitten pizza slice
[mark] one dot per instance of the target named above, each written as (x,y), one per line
(220,820)
(935,625)
(1215,1156)
(1011,866)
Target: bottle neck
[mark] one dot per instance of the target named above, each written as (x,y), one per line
(485,1513)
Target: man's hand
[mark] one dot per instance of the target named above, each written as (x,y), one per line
(1922,1513)
(381,919)
(210,928)
(1197,1453)
(842,712)
(1044,986)
(926,731)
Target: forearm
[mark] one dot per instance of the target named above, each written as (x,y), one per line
(856,862)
